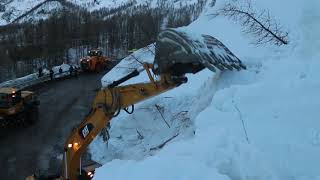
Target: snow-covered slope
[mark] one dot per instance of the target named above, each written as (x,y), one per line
(275,102)
(13,9)
(34,10)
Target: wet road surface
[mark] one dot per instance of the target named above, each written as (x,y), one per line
(63,105)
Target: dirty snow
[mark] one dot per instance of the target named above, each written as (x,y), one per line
(275,102)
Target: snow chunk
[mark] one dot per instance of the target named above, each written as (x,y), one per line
(129,64)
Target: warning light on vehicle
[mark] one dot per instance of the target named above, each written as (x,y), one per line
(90,174)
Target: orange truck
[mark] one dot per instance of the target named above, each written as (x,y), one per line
(94,61)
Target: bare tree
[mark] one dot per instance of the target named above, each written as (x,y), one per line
(261,24)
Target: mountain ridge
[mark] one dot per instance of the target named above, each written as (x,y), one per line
(15,11)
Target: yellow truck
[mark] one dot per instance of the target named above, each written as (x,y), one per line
(17,107)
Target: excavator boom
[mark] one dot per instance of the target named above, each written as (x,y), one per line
(107,103)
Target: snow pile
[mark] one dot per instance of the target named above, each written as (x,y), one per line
(65,70)
(21,81)
(129,64)
(155,120)
(64,67)
(275,102)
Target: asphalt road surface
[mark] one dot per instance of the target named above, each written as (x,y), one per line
(64,104)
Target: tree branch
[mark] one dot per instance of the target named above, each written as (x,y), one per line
(261,25)
(164,143)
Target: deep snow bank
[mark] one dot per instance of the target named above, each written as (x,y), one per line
(132,136)
(276,98)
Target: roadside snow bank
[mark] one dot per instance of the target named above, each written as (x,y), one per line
(21,81)
(34,78)
(64,68)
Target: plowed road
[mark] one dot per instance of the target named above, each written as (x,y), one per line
(64,104)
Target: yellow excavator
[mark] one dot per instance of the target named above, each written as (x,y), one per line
(176,54)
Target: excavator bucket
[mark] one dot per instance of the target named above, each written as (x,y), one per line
(178,53)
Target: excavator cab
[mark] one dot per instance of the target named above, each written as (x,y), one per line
(17,107)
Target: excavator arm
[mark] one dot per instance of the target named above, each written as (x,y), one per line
(108,102)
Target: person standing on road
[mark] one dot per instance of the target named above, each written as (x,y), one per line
(76,72)
(71,70)
(60,70)
(51,74)
(40,72)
